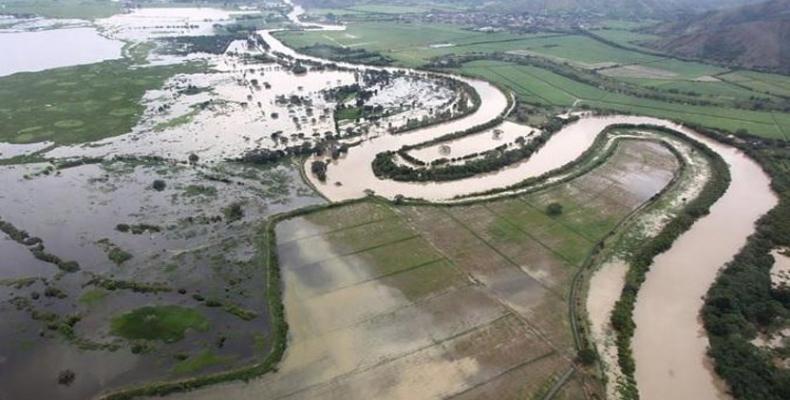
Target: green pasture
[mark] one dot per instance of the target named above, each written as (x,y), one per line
(536,85)
(85,9)
(77,104)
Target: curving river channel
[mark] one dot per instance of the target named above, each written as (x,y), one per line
(670,343)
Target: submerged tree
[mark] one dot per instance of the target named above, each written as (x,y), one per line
(554,209)
(159,185)
(318,168)
(66,377)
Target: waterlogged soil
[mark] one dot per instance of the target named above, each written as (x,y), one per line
(198,252)
(463,301)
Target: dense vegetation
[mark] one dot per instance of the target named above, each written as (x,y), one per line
(346,54)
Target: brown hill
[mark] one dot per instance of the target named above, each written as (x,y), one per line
(752,36)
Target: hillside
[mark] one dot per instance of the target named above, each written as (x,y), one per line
(751,36)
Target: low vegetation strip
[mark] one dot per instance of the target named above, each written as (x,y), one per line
(622,315)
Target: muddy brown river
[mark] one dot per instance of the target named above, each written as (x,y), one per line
(670,342)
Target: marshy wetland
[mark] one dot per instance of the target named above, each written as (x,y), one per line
(203,203)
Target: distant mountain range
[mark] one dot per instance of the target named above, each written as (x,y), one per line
(752,36)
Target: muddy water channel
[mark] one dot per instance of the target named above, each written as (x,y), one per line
(669,342)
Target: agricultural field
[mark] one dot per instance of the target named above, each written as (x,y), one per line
(85,9)
(409,44)
(533,84)
(463,301)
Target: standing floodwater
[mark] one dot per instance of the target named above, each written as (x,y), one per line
(40,50)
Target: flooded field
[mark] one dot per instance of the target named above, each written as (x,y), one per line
(187,246)
(467,301)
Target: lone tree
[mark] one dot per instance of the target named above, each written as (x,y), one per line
(554,209)
(66,377)
(193,158)
(318,168)
(586,356)
(233,212)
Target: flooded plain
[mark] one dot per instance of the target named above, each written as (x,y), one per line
(431,316)
(411,303)
(136,246)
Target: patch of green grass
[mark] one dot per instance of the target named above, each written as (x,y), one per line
(177,121)
(348,113)
(760,82)
(118,255)
(200,190)
(202,360)
(388,9)
(80,103)
(625,38)
(584,50)
(410,44)
(114,253)
(165,323)
(93,297)
(86,9)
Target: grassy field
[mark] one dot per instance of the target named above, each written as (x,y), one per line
(407,43)
(165,323)
(77,104)
(624,37)
(536,85)
(586,51)
(760,82)
(85,9)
